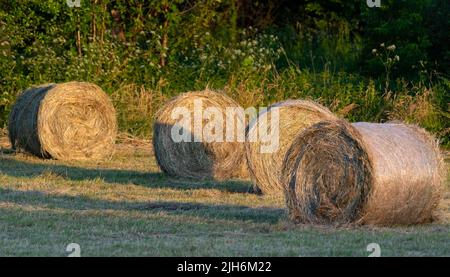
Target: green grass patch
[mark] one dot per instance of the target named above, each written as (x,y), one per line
(117,208)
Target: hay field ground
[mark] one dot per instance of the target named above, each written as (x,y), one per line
(126,207)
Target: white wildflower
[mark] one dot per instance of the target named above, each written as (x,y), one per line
(391,47)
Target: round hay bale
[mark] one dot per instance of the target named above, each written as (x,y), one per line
(201,155)
(293,117)
(69,121)
(364,173)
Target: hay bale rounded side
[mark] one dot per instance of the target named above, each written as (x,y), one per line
(201,157)
(365,173)
(294,116)
(69,121)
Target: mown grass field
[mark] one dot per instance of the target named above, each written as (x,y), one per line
(126,207)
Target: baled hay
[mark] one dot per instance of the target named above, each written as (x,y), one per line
(365,173)
(205,158)
(69,121)
(294,116)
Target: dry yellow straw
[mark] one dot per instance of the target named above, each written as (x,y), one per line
(69,121)
(294,116)
(380,174)
(204,159)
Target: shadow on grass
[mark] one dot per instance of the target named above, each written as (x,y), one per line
(15,168)
(80,203)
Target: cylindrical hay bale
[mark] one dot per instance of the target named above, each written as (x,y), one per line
(200,135)
(291,118)
(363,173)
(69,121)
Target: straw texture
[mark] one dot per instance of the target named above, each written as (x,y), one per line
(294,116)
(365,173)
(69,121)
(203,158)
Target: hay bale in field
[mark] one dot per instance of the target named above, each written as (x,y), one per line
(69,121)
(199,153)
(365,173)
(293,117)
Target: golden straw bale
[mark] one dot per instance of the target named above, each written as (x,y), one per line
(365,173)
(203,156)
(293,117)
(69,121)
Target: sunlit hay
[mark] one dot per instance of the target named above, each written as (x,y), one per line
(69,121)
(202,156)
(294,116)
(364,173)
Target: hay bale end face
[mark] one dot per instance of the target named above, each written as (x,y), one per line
(365,173)
(68,121)
(201,155)
(293,117)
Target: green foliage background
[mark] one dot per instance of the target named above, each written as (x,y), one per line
(260,52)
